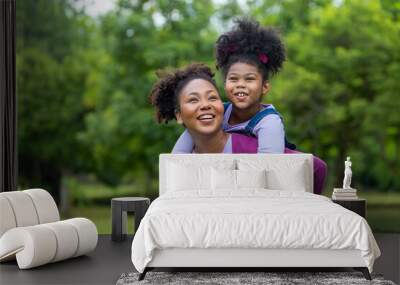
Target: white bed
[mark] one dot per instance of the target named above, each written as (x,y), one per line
(247,211)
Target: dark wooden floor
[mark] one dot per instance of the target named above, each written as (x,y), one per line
(110,260)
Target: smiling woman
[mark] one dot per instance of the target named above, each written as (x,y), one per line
(190,96)
(201,112)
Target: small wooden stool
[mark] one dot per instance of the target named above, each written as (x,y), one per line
(120,207)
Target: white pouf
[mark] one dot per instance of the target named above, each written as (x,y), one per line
(23,208)
(87,233)
(31,233)
(45,206)
(7,218)
(32,246)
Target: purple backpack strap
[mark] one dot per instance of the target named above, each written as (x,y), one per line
(243,144)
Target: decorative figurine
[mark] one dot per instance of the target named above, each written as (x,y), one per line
(347,192)
(347,174)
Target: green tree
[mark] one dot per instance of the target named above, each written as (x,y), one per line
(140,38)
(338,90)
(50,86)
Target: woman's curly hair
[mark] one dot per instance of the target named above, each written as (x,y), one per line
(250,43)
(165,93)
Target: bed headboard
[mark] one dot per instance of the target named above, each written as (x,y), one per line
(283,162)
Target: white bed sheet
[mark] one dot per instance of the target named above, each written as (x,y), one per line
(252,218)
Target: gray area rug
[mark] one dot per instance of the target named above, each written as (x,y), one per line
(228,278)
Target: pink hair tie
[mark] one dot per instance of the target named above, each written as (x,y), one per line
(263,58)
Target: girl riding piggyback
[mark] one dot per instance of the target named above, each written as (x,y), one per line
(247,56)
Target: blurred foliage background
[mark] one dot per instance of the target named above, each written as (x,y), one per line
(87,132)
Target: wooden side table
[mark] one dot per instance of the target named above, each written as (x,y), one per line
(358,206)
(120,207)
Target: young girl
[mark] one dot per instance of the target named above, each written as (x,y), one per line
(247,56)
(190,96)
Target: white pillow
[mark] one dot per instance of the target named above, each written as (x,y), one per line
(201,160)
(293,180)
(193,171)
(223,179)
(281,174)
(183,177)
(251,178)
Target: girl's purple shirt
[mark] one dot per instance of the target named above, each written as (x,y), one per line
(238,143)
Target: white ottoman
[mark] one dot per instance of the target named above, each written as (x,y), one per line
(31,232)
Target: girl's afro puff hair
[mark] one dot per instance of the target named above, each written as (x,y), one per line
(250,43)
(164,94)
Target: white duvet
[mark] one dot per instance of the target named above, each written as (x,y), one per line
(254,218)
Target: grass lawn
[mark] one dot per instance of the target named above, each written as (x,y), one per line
(384,219)
(83,193)
(100,215)
(383,211)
